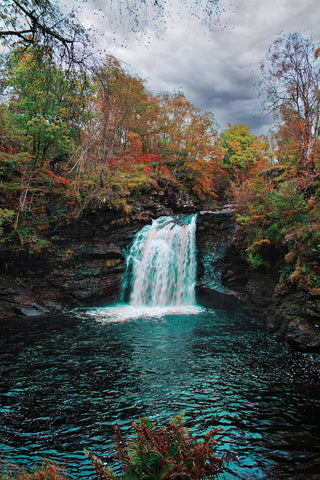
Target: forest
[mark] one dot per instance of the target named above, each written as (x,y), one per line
(75,139)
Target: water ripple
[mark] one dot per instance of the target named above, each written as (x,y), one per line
(66,381)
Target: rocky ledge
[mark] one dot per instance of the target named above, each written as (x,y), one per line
(226,279)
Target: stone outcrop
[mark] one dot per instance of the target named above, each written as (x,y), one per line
(84,265)
(226,279)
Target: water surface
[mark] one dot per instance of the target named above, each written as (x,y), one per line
(67,380)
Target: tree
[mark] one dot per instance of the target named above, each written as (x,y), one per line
(291,84)
(30,22)
(243,151)
(42,119)
(46,108)
(123,105)
(122,112)
(138,16)
(41,22)
(187,141)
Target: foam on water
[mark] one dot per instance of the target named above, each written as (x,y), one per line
(125,312)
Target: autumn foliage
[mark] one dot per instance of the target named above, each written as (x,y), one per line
(47,471)
(73,144)
(164,453)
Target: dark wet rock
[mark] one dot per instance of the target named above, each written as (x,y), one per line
(212,298)
(21,299)
(33,310)
(224,278)
(97,251)
(212,236)
(54,208)
(5,291)
(171,196)
(313,310)
(301,336)
(89,281)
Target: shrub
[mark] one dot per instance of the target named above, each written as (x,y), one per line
(164,453)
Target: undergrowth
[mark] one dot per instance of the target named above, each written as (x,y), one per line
(156,453)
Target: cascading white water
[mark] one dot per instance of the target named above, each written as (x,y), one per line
(161,264)
(160,274)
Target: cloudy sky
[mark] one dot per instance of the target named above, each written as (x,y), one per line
(214,62)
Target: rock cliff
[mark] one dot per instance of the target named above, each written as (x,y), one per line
(226,279)
(86,261)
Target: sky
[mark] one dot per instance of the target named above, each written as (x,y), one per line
(215,63)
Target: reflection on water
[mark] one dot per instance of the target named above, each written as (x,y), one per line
(66,381)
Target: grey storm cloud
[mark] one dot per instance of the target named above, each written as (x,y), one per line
(216,66)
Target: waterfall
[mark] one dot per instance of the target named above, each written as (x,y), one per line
(161,264)
(160,273)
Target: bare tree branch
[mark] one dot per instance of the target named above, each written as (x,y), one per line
(30,22)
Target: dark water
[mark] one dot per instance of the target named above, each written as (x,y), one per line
(66,381)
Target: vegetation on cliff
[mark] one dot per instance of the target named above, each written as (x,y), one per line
(278,204)
(71,144)
(75,139)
